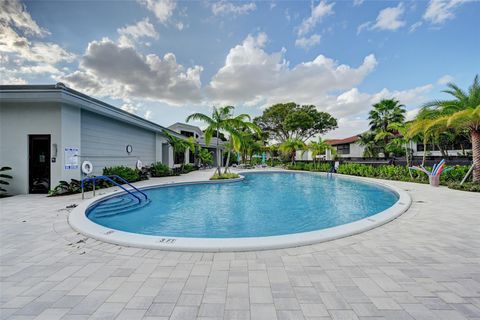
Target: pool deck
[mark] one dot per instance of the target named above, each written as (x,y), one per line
(423,265)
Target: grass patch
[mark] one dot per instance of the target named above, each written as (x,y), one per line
(224,176)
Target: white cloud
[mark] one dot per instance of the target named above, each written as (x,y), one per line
(364,26)
(348,127)
(162,9)
(439,11)
(415,26)
(15,21)
(224,7)
(390,18)
(307,42)
(131,33)
(445,79)
(358,2)
(320,11)
(353,102)
(14,13)
(411,114)
(20,46)
(351,107)
(129,108)
(252,76)
(108,69)
(9,77)
(148,114)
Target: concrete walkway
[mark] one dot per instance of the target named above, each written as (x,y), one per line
(423,265)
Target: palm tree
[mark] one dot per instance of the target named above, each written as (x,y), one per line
(204,156)
(461,112)
(423,129)
(221,120)
(179,144)
(291,146)
(367,141)
(237,128)
(273,151)
(317,147)
(383,113)
(4,176)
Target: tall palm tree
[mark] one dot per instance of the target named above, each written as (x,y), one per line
(461,112)
(291,146)
(425,130)
(383,113)
(179,144)
(221,120)
(317,148)
(367,141)
(237,128)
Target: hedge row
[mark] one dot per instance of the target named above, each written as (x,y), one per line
(388,172)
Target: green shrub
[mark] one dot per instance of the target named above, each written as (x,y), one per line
(160,170)
(388,172)
(65,188)
(129,174)
(224,176)
(4,182)
(189,168)
(310,166)
(467,186)
(75,186)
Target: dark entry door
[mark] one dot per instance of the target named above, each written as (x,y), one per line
(39,163)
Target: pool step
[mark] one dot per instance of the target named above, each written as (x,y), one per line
(118,207)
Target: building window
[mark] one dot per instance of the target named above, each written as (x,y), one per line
(186,133)
(343,148)
(179,157)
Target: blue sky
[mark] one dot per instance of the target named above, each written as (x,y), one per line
(164,59)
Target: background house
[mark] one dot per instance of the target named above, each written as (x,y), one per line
(48,131)
(347,147)
(188,130)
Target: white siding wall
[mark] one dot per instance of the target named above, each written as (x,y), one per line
(356,150)
(17,121)
(71,126)
(104,143)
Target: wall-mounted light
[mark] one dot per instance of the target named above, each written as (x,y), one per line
(129,148)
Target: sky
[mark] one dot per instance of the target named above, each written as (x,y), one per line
(165,59)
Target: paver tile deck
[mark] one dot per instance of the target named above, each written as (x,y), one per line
(423,265)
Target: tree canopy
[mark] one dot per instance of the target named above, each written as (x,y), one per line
(285,121)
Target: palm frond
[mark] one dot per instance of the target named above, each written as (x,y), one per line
(200,117)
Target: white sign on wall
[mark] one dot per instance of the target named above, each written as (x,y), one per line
(71,158)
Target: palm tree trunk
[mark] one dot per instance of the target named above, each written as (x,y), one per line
(228,162)
(407,157)
(476,155)
(424,152)
(219,169)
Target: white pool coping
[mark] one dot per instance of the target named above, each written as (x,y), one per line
(79,221)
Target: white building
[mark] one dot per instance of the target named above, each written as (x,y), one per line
(48,131)
(188,130)
(347,147)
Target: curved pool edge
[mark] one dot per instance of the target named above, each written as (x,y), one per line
(79,222)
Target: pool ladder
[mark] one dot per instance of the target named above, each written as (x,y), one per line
(109,179)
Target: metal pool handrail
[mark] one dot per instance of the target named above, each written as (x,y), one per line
(109,179)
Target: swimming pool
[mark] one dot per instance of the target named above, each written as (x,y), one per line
(271,205)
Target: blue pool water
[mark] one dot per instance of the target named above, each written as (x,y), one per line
(264,204)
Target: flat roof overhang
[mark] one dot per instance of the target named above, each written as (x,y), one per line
(63,95)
